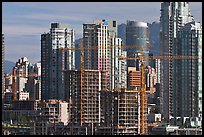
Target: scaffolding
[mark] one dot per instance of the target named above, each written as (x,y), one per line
(85,84)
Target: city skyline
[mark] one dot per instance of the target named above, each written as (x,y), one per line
(23,25)
(96,72)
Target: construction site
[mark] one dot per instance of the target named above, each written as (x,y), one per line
(95,109)
(102,112)
(105,96)
(110,112)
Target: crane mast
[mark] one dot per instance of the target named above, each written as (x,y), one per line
(14,84)
(143,101)
(142,95)
(82,82)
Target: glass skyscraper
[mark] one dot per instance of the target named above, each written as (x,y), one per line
(188,97)
(174,15)
(137,37)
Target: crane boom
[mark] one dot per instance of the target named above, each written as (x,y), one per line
(82,82)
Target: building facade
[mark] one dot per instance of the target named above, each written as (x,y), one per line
(33,85)
(54,111)
(154,29)
(133,78)
(137,39)
(119,67)
(3,82)
(84,97)
(126,112)
(98,36)
(20,74)
(122,32)
(189,72)
(55,59)
(101,36)
(173,16)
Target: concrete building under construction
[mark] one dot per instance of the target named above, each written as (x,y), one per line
(100,112)
(85,100)
(125,116)
(126,110)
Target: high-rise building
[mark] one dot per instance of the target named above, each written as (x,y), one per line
(3,83)
(33,85)
(125,114)
(55,60)
(173,16)
(77,53)
(137,39)
(84,99)
(126,108)
(102,36)
(133,78)
(154,29)
(188,94)
(119,67)
(96,35)
(122,32)
(22,73)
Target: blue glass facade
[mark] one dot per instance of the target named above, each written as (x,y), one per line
(137,38)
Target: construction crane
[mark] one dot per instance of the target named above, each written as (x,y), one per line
(15,86)
(96,47)
(142,58)
(143,94)
(143,89)
(82,80)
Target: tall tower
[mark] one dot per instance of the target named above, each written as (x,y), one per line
(189,72)
(154,29)
(137,37)
(34,82)
(118,67)
(21,70)
(3,83)
(98,35)
(173,16)
(122,32)
(55,60)
(102,36)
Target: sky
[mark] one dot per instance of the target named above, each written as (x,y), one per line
(24,22)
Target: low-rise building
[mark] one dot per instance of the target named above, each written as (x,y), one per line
(187,131)
(163,129)
(152,117)
(23,95)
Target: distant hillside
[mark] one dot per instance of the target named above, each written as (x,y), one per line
(8,66)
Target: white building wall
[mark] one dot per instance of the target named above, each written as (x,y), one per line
(118,67)
(23,95)
(62,36)
(63,112)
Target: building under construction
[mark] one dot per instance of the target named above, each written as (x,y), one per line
(97,111)
(85,100)
(125,113)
